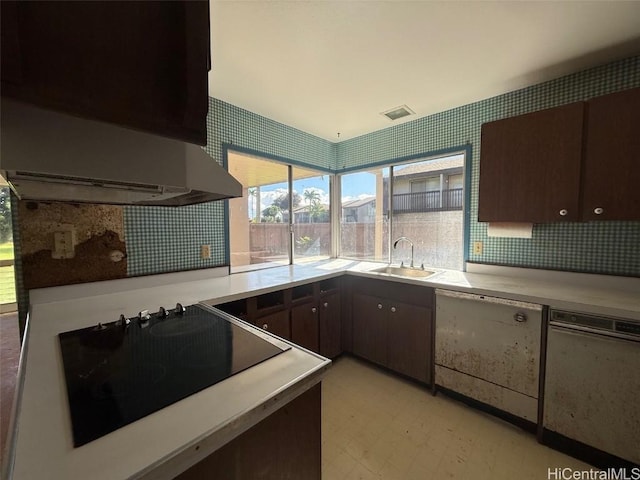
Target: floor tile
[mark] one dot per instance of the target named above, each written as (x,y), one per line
(379,426)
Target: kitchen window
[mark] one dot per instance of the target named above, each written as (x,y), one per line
(283,215)
(423,201)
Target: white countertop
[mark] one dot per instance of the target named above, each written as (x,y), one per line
(159,445)
(596,294)
(588,293)
(43,445)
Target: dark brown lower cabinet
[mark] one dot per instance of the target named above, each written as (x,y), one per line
(392,326)
(287,444)
(369,328)
(309,315)
(276,323)
(304,326)
(409,341)
(330,308)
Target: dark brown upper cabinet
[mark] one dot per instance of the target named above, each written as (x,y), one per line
(611,179)
(580,161)
(530,166)
(142,65)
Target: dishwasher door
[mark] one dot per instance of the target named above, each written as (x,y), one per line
(592,382)
(488,349)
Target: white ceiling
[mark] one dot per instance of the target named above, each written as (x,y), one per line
(333,66)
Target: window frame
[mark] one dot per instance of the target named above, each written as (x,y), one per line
(465,150)
(290,164)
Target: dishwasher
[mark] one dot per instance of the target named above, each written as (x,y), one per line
(488,349)
(592,382)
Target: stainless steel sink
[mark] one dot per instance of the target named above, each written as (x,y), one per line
(405,271)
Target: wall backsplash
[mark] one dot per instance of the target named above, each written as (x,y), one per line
(99,231)
(595,247)
(168,239)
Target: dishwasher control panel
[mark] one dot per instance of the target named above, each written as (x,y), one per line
(596,324)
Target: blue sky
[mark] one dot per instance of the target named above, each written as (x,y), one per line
(353,185)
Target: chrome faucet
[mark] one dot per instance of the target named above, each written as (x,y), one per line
(395,244)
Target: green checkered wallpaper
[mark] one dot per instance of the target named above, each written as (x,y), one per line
(596,247)
(163,240)
(168,239)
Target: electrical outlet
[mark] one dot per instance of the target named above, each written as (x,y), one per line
(477,248)
(205,251)
(64,242)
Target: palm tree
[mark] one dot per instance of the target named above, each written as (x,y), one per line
(317,211)
(311,196)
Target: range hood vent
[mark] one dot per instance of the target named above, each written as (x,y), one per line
(50,156)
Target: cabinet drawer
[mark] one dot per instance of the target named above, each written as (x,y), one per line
(402,292)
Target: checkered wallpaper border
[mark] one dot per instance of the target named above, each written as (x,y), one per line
(596,247)
(163,240)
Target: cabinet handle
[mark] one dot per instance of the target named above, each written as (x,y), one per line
(325,305)
(265,326)
(314,309)
(379,306)
(520,317)
(598,211)
(393,309)
(563,212)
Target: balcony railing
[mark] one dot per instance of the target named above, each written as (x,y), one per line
(436,201)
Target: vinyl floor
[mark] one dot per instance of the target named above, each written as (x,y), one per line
(378,426)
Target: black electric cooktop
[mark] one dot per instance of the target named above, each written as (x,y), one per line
(119,372)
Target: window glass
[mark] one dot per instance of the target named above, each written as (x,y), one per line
(455,181)
(428,218)
(259,220)
(427,208)
(364,222)
(261,224)
(7,279)
(311,215)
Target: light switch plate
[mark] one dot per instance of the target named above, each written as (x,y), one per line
(205,251)
(477,248)
(64,242)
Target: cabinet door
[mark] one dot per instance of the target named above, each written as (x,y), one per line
(409,340)
(530,166)
(611,179)
(370,328)
(276,323)
(330,325)
(304,326)
(138,64)
(285,445)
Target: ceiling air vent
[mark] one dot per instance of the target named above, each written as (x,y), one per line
(398,112)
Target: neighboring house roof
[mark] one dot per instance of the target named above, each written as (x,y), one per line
(430,166)
(359,202)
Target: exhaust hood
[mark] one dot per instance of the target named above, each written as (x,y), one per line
(51,156)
